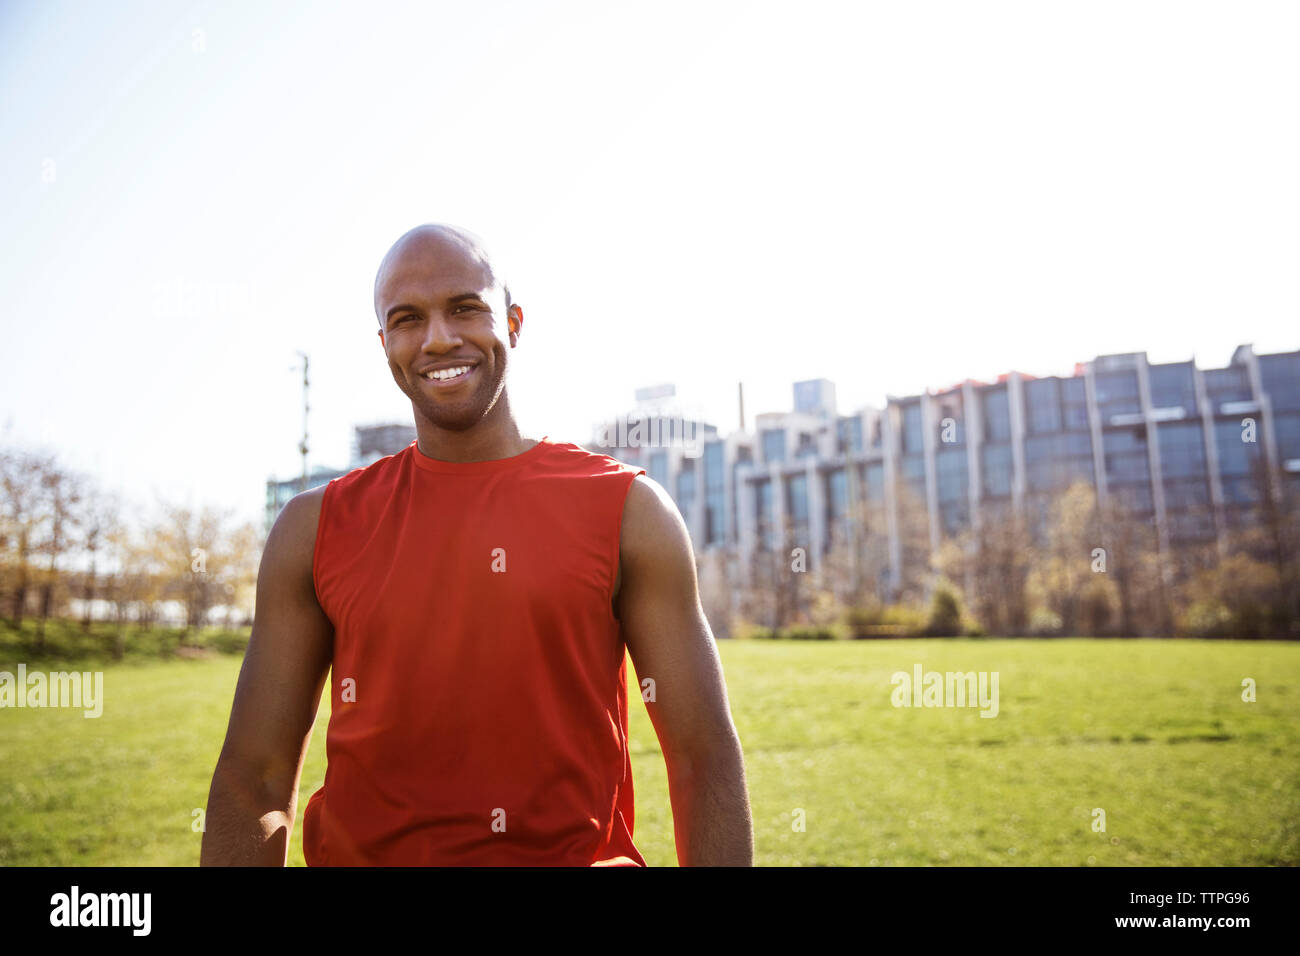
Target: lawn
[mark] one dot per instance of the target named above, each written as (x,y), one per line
(1152,732)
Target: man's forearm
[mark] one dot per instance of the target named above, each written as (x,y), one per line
(244,824)
(711,818)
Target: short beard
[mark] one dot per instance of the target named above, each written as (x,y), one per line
(463,417)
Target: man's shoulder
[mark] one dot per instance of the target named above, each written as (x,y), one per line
(584,463)
(652,525)
(649,502)
(372,473)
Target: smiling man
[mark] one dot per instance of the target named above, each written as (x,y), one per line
(473,597)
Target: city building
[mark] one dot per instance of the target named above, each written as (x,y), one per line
(1181,447)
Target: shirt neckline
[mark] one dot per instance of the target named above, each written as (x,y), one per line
(425,463)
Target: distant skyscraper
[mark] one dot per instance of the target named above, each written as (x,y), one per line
(815,397)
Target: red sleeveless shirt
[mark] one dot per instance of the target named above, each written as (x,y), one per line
(479,680)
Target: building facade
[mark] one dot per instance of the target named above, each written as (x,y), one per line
(1177,446)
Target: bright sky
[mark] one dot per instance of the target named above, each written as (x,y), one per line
(892,196)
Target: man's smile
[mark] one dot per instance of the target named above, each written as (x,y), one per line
(449,377)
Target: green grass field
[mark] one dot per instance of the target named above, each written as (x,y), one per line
(1153,732)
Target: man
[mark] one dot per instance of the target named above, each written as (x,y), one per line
(474,595)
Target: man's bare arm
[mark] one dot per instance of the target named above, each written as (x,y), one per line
(669,639)
(254,794)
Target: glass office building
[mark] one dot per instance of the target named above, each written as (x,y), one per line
(1191,451)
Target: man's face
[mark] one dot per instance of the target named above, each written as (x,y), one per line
(440,308)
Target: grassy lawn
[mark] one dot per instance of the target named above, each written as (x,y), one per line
(1153,732)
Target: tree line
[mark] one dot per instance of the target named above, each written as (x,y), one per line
(72,549)
(1062,565)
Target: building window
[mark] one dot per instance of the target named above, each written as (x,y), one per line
(1237,458)
(997,416)
(773,445)
(1043,398)
(1074,403)
(1117,393)
(912,438)
(997,466)
(1230,384)
(838,482)
(1286,429)
(1173,386)
(849,433)
(1182,450)
(686,488)
(798,492)
(873,480)
(950,468)
(658,468)
(1126,455)
(1280,377)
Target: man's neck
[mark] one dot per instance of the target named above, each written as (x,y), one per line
(486,441)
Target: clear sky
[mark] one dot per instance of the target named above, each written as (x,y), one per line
(889,195)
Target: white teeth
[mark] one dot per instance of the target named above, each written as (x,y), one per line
(443,374)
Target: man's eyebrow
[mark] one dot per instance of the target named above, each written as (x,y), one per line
(461,297)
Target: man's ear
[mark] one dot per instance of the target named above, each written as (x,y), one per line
(515,320)
(382,342)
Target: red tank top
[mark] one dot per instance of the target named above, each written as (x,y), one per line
(479,682)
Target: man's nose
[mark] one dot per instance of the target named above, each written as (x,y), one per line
(441,335)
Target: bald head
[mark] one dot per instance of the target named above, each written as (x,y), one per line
(428,245)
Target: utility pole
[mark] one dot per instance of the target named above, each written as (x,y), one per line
(302,446)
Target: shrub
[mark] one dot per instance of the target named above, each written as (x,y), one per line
(747,631)
(945,612)
(884,620)
(228,642)
(805,632)
(1097,606)
(1044,622)
(1207,618)
(797,632)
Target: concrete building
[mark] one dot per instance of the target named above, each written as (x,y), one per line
(1173,444)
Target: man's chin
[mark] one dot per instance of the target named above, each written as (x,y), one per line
(451,420)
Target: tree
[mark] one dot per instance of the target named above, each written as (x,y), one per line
(203,561)
(917,563)
(99,526)
(1067,578)
(63,493)
(21,477)
(1133,561)
(997,562)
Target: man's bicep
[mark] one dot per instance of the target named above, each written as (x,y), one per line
(665,628)
(288,655)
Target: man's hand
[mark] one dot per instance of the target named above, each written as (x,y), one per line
(254,795)
(669,639)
